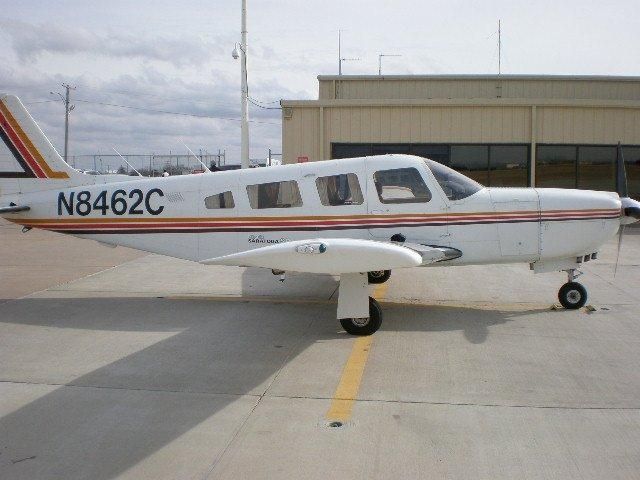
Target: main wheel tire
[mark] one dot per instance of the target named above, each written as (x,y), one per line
(364,326)
(379,276)
(572,295)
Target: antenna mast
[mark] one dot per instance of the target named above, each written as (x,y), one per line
(499,48)
(339,52)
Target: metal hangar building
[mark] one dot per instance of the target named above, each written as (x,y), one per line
(501,130)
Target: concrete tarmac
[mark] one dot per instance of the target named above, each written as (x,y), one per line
(117,364)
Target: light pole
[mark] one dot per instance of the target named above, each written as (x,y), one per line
(67,110)
(244,104)
(380,60)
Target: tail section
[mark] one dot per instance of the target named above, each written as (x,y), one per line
(42,167)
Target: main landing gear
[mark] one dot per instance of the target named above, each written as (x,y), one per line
(572,295)
(359,314)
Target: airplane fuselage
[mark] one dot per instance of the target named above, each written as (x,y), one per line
(176,216)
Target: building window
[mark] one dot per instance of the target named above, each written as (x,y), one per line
(219,200)
(350,150)
(401,185)
(632,164)
(597,168)
(508,165)
(556,166)
(472,161)
(274,195)
(343,189)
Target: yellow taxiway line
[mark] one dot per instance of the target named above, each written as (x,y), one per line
(349,385)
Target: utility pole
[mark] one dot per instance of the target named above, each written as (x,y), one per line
(67,109)
(244,134)
(380,60)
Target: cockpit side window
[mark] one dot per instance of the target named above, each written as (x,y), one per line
(401,185)
(455,185)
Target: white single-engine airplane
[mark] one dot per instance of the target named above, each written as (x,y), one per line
(357,218)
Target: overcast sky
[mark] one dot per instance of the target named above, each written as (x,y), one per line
(176,56)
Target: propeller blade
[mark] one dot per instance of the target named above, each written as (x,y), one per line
(621,174)
(632,212)
(620,235)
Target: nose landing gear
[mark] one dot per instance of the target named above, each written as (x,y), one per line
(572,295)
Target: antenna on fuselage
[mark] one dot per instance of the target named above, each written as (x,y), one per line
(125,161)
(197,158)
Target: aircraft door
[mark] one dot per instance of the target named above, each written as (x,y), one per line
(403,199)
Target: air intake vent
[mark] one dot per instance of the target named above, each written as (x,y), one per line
(175,197)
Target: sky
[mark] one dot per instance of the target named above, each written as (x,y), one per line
(167,56)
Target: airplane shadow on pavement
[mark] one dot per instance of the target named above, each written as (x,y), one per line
(109,419)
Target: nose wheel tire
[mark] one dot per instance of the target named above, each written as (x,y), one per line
(379,276)
(364,326)
(572,295)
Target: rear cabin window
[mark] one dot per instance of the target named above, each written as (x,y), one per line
(401,185)
(274,195)
(219,200)
(342,189)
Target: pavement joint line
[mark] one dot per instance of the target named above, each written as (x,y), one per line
(458,404)
(310,397)
(131,389)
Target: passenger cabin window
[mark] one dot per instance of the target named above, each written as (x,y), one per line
(342,189)
(274,195)
(219,200)
(401,185)
(455,185)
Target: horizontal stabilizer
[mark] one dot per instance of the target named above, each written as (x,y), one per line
(14,209)
(325,255)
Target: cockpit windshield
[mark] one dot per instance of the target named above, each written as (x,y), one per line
(455,185)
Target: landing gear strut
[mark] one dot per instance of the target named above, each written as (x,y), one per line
(572,295)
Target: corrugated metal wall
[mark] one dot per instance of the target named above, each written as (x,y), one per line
(588,125)
(586,112)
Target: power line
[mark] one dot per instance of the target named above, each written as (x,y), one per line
(167,112)
(253,102)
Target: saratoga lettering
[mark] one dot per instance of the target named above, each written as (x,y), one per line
(72,203)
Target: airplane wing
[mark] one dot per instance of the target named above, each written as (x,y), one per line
(331,256)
